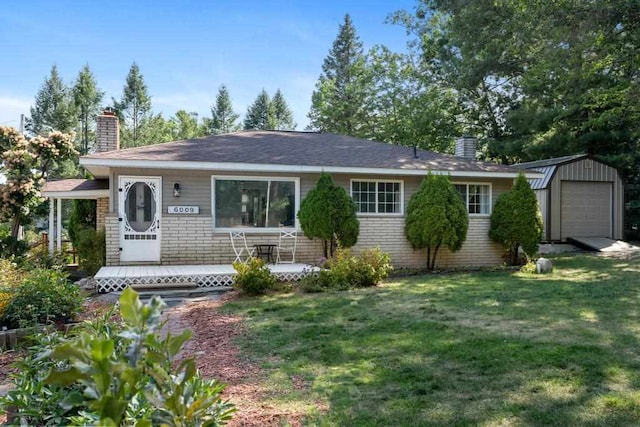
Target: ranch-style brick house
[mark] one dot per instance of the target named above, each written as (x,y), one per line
(175,203)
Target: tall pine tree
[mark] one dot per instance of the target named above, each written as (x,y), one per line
(338,100)
(282,115)
(134,105)
(260,114)
(53,107)
(223,117)
(86,99)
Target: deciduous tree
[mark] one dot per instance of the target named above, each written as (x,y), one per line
(25,165)
(436,217)
(186,125)
(329,214)
(538,79)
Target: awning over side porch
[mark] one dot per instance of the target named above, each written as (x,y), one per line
(70,189)
(76,189)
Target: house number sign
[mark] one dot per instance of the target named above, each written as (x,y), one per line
(184,210)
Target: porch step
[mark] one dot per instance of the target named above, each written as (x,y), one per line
(168,294)
(158,286)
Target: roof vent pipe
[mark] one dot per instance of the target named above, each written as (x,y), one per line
(466,147)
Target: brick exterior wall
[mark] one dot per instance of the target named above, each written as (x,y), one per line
(112,238)
(102,209)
(107,133)
(388,234)
(190,240)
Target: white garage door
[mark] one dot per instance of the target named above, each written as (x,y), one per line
(586,209)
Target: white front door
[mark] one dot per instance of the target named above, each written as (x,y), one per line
(140,201)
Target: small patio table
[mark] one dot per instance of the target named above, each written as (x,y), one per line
(265,251)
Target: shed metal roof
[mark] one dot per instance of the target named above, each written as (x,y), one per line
(543,182)
(551,162)
(548,168)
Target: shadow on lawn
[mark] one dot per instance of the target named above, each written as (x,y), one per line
(432,351)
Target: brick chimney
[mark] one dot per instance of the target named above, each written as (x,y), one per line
(466,147)
(107,131)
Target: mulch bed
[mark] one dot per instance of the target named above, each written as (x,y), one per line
(6,359)
(217,357)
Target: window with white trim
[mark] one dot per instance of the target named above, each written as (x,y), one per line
(377,197)
(477,197)
(255,203)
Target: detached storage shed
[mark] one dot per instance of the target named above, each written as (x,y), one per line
(578,197)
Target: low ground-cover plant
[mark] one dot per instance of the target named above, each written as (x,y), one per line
(43,296)
(529,267)
(112,374)
(253,277)
(348,271)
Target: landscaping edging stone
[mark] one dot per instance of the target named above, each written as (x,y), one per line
(10,338)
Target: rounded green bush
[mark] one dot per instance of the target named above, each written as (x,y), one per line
(44,296)
(253,277)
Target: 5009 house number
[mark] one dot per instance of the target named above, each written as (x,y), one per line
(184,210)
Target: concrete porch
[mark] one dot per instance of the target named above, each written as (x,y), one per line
(110,279)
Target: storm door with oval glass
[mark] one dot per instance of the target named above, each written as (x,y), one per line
(139,216)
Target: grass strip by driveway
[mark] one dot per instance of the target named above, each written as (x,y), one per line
(458,349)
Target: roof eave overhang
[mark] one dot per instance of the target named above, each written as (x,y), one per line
(78,194)
(102,167)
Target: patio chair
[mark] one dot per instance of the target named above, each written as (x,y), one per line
(287,243)
(240,247)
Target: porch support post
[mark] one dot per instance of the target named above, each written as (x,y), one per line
(51,207)
(59,225)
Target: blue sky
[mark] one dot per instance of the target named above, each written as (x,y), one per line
(185,49)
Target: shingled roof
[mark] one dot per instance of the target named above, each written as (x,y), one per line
(322,150)
(77,187)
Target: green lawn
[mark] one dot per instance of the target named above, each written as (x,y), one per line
(458,349)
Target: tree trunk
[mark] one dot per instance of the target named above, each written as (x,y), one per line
(428,258)
(15,227)
(325,248)
(513,254)
(435,255)
(85,131)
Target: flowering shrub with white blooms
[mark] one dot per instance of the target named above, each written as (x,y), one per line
(25,164)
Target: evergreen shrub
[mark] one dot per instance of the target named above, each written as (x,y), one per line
(516,221)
